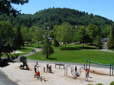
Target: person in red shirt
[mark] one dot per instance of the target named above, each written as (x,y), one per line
(87,74)
(38,73)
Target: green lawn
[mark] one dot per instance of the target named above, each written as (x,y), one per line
(74,47)
(25,50)
(77,56)
(35,45)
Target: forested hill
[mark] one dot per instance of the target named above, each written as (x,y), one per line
(56,16)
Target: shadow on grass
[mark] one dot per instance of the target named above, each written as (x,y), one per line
(22,48)
(76,48)
(52,58)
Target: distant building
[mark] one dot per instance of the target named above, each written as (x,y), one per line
(104,39)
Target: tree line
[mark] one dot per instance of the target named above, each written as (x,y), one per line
(50,17)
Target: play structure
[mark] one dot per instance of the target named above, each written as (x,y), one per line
(110,66)
(72,71)
(59,65)
(24,61)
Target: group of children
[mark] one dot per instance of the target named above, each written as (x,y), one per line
(37,72)
(87,73)
(33,51)
(49,69)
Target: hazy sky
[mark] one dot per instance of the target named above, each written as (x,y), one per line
(103,8)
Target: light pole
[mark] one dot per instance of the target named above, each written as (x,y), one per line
(107,34)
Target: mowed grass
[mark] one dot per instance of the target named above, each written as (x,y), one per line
(74,47)
(35,45)
(76,56)
(25,51)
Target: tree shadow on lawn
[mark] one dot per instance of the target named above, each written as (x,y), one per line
(76,48)
(22,48)
(52,58)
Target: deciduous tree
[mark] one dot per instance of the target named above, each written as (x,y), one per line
(37,35)
(47,49)
(6,6)
(65,33)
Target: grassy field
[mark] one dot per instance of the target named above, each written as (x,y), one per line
(74,47)
(76,54)
(35,45)
(25,50)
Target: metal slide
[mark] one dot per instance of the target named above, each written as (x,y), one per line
(72,68)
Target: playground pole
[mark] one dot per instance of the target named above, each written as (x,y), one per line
(86,64)
(89,64)
(110,69)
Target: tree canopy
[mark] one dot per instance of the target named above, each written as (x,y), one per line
(6,7)
(65,33)
(48,18)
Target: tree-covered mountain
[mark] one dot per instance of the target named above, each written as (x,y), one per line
(56,16)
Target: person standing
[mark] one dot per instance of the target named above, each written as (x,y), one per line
(75,69)
(47,67)
(35,68)
(87,74)
(44,69)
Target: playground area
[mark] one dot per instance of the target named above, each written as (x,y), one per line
(59,75)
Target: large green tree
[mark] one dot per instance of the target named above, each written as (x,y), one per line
(47,49)
(76,33)
(6,38)
(83,36)
(65,33)
(105,31)
(97,42)
(6,6)
(37,35)
(110,43)
(30,33)
(92,31)
(24,33)
(18,37)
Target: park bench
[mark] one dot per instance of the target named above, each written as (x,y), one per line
(59,65)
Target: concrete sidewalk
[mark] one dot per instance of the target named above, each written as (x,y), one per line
(4,80)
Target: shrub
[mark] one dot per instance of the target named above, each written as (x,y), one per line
(97,42)
(89,84)
(99,84)
(112,83)
(51,50)
(56,43)
(42,42)
(110,43)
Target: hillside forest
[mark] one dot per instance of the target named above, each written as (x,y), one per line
(63,24)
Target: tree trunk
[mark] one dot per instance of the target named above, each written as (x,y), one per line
(47,53)
(83,44)
(38,44)
(65,45)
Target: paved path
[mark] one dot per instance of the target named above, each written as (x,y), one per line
(5,81)
(104,47)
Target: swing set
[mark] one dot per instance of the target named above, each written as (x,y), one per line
(111,66)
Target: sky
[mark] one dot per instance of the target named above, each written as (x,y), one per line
(103,8)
